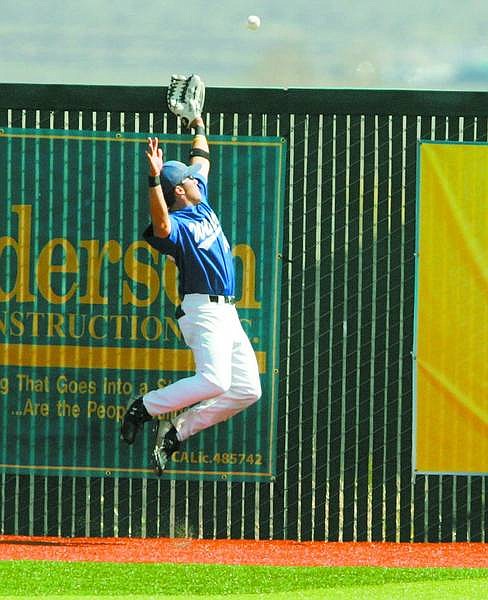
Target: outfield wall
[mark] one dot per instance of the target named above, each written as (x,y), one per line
(345,394)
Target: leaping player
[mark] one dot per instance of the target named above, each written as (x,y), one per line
(184,226)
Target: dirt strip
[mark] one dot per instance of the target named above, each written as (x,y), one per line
(245,552)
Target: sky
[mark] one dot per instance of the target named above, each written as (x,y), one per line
(392,44)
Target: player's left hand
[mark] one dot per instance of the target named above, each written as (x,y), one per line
(185,97)
(154,156)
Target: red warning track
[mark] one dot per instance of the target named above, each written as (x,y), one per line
(245,552)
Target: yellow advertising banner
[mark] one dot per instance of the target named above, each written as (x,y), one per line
(451,345)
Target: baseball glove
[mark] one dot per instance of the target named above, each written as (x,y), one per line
(185,97)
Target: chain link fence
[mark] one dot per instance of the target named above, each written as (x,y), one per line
(344,450)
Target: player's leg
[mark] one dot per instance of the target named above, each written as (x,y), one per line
(211,338)
(207,331)
(207,334)
(245,389)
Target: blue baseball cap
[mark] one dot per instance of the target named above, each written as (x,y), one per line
(173,173)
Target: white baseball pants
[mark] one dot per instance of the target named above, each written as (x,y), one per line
(227,376)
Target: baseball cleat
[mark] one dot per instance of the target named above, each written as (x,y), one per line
(166,443)
(134,419)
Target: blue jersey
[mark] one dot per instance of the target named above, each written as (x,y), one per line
(199,248)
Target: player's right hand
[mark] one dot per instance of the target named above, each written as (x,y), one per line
(154,156)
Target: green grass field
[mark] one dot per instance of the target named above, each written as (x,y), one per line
(82,581)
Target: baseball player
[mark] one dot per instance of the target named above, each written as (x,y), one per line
(184,226)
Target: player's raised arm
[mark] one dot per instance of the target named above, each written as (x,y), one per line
(158,208)
(200,151)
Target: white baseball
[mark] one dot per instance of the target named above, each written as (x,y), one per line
(253,22)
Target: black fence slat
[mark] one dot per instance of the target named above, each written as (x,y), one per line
(249,510)
(96,508)
(193,508)
(308,326)
(447,525)
(39,500)
(336,383)
(379,371)
(108,503)
(475,515)
(236,510)
(23,495)
(165,508)
(123,507)
(463,519)
(220,511)
(351,323)
(323,346)
(391,308)
(180,506)
(296,342)
(408,162)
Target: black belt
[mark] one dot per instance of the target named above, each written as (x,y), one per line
(227,299)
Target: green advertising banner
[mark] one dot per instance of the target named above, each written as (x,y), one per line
(87,307)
